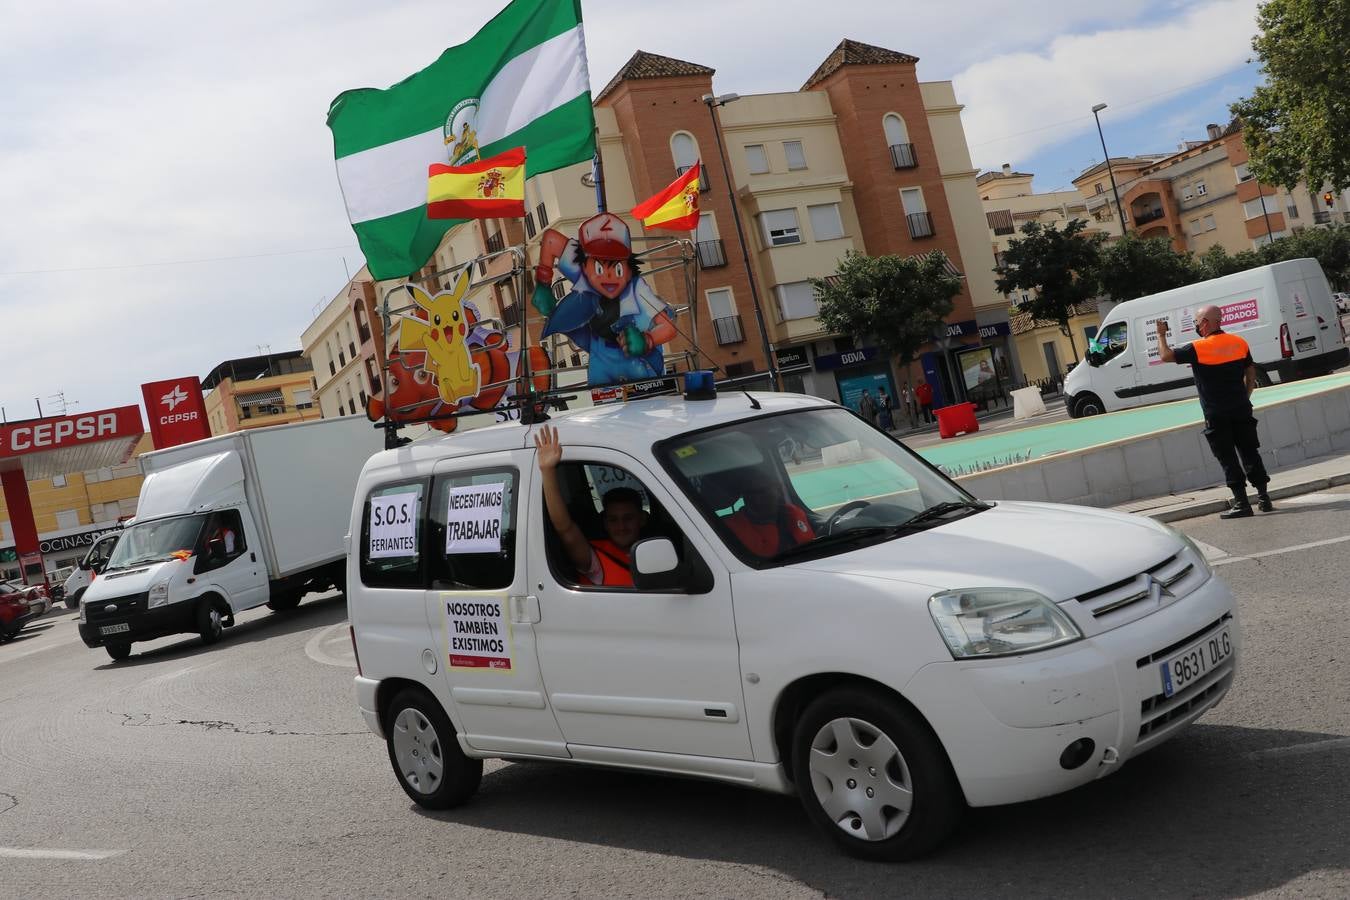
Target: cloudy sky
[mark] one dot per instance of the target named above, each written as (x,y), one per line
(167,183)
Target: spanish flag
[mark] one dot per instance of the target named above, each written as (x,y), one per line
(675,208)
(489,188)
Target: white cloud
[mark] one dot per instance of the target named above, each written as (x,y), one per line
(1015,101)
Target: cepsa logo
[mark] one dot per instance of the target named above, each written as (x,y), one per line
(48,434)
(176,411)
(171,400)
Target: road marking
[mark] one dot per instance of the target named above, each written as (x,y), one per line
(315,651)
(170,676)
(1301,749)
(1211,552)
(1320,498)
(1263,554)
(6,657)
(41,853)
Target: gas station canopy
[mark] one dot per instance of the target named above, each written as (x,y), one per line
(43,448)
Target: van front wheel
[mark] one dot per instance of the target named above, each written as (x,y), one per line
(872,775)
(1088,405)
(118,651)
(210,621)
(425,753)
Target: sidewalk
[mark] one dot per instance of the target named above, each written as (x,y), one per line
(1317,475)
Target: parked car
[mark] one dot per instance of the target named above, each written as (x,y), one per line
(19,605)
(57,580)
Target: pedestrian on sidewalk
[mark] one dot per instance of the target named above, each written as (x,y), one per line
(1225,377)
(868,409)
(884,417)
(907,400)
(923,392)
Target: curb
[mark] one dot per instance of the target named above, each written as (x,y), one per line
(1209,507)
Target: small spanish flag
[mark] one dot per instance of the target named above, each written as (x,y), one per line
(675,208)
(489,188)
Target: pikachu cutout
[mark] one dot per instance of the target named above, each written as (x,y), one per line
(440,331)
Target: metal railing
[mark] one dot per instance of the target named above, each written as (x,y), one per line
(728,330)
(711,254)
(920,224)
(703,185)
(902,156)
(1147,215)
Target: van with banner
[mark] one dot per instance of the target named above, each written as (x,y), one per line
(89,567)
(227,524)
(788,600)
(1284,311)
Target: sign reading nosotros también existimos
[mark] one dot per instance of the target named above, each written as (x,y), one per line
(478,634)
(473,518)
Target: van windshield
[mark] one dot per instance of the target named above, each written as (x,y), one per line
(803,485)
(156,541)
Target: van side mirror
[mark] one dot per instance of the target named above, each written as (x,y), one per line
(656,566)
(1095,358)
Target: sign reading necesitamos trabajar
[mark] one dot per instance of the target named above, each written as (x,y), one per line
(478,634)
(473,521)
(393,525)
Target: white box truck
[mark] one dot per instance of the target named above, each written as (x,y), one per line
(1284,311)
(227,524)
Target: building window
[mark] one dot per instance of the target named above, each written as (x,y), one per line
(541,215)
(1187,192)
(796,300)
(1195,227)
(1256,207)
(720,304)
(1097,188)
(58,481)
(756,159)
(780,227)
(1292,209)
(1200,189)
(916,213)
(1243,173)
(1210,224)
(67,518)
(683,150)
(495,242)
(897,138)
(796,156)
(825,222)
(529,225)
(304,399)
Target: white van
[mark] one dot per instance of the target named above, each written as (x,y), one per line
(89,567)
(1284,311)
(227,524)
(914,651)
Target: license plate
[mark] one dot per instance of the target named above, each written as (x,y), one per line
(1196,661)
(114,629)
(1307,343)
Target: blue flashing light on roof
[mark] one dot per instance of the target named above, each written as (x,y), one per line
(699,386)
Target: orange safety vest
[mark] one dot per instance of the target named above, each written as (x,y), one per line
(614,571)
(1219,348)
(762,540)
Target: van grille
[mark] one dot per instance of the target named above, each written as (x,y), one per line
(1159,714)
(136,603)
(1131,598)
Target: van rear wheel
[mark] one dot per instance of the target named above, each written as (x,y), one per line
(284,600)
(872,775)
(425,754)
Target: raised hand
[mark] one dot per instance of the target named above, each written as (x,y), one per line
(549,447)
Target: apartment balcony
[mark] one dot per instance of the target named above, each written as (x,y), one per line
(920,224)
(1143,217)
(1322,217)
(711,254)
(728,330)
(902,156)
(703,185)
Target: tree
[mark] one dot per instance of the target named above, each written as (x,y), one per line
(1329,246)
(1217,262)
(1136,267)
(1058,269)
(899,302)
(1296,124)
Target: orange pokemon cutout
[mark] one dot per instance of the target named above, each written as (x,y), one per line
(443,337)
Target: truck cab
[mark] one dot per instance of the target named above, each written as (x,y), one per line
(88,568)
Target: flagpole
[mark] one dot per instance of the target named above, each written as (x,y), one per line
(598,176)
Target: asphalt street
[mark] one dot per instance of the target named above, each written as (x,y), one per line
(244,770)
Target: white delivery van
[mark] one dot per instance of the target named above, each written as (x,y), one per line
(914,651)
(226,524)
(89,567)
(1284,312)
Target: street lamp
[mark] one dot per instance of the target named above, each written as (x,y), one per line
(714,101)
(1119,211)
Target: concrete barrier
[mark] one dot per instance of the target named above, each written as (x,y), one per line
(1170,461)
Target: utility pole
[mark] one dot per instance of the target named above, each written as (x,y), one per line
(1109,171)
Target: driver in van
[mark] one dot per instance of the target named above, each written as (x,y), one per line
(768,524)
(225,534)
(604,561)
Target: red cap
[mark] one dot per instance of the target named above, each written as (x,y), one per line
(606,236)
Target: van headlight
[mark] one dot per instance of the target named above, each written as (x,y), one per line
(983,622)
(159,595)
(84,620)
(1201,560)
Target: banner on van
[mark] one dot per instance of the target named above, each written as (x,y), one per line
(478,634)
(1181,325)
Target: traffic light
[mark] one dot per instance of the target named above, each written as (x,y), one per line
(1329,198)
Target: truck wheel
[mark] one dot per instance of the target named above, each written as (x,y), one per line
(210,622)
(425,754)
(873,776)
(1088,405)
(118,651)
(284,600)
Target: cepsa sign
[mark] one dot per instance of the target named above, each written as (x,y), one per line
(176,411)
(38,435)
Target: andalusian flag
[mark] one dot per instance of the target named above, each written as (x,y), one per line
(487,189)
(521,81)
(676,207)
